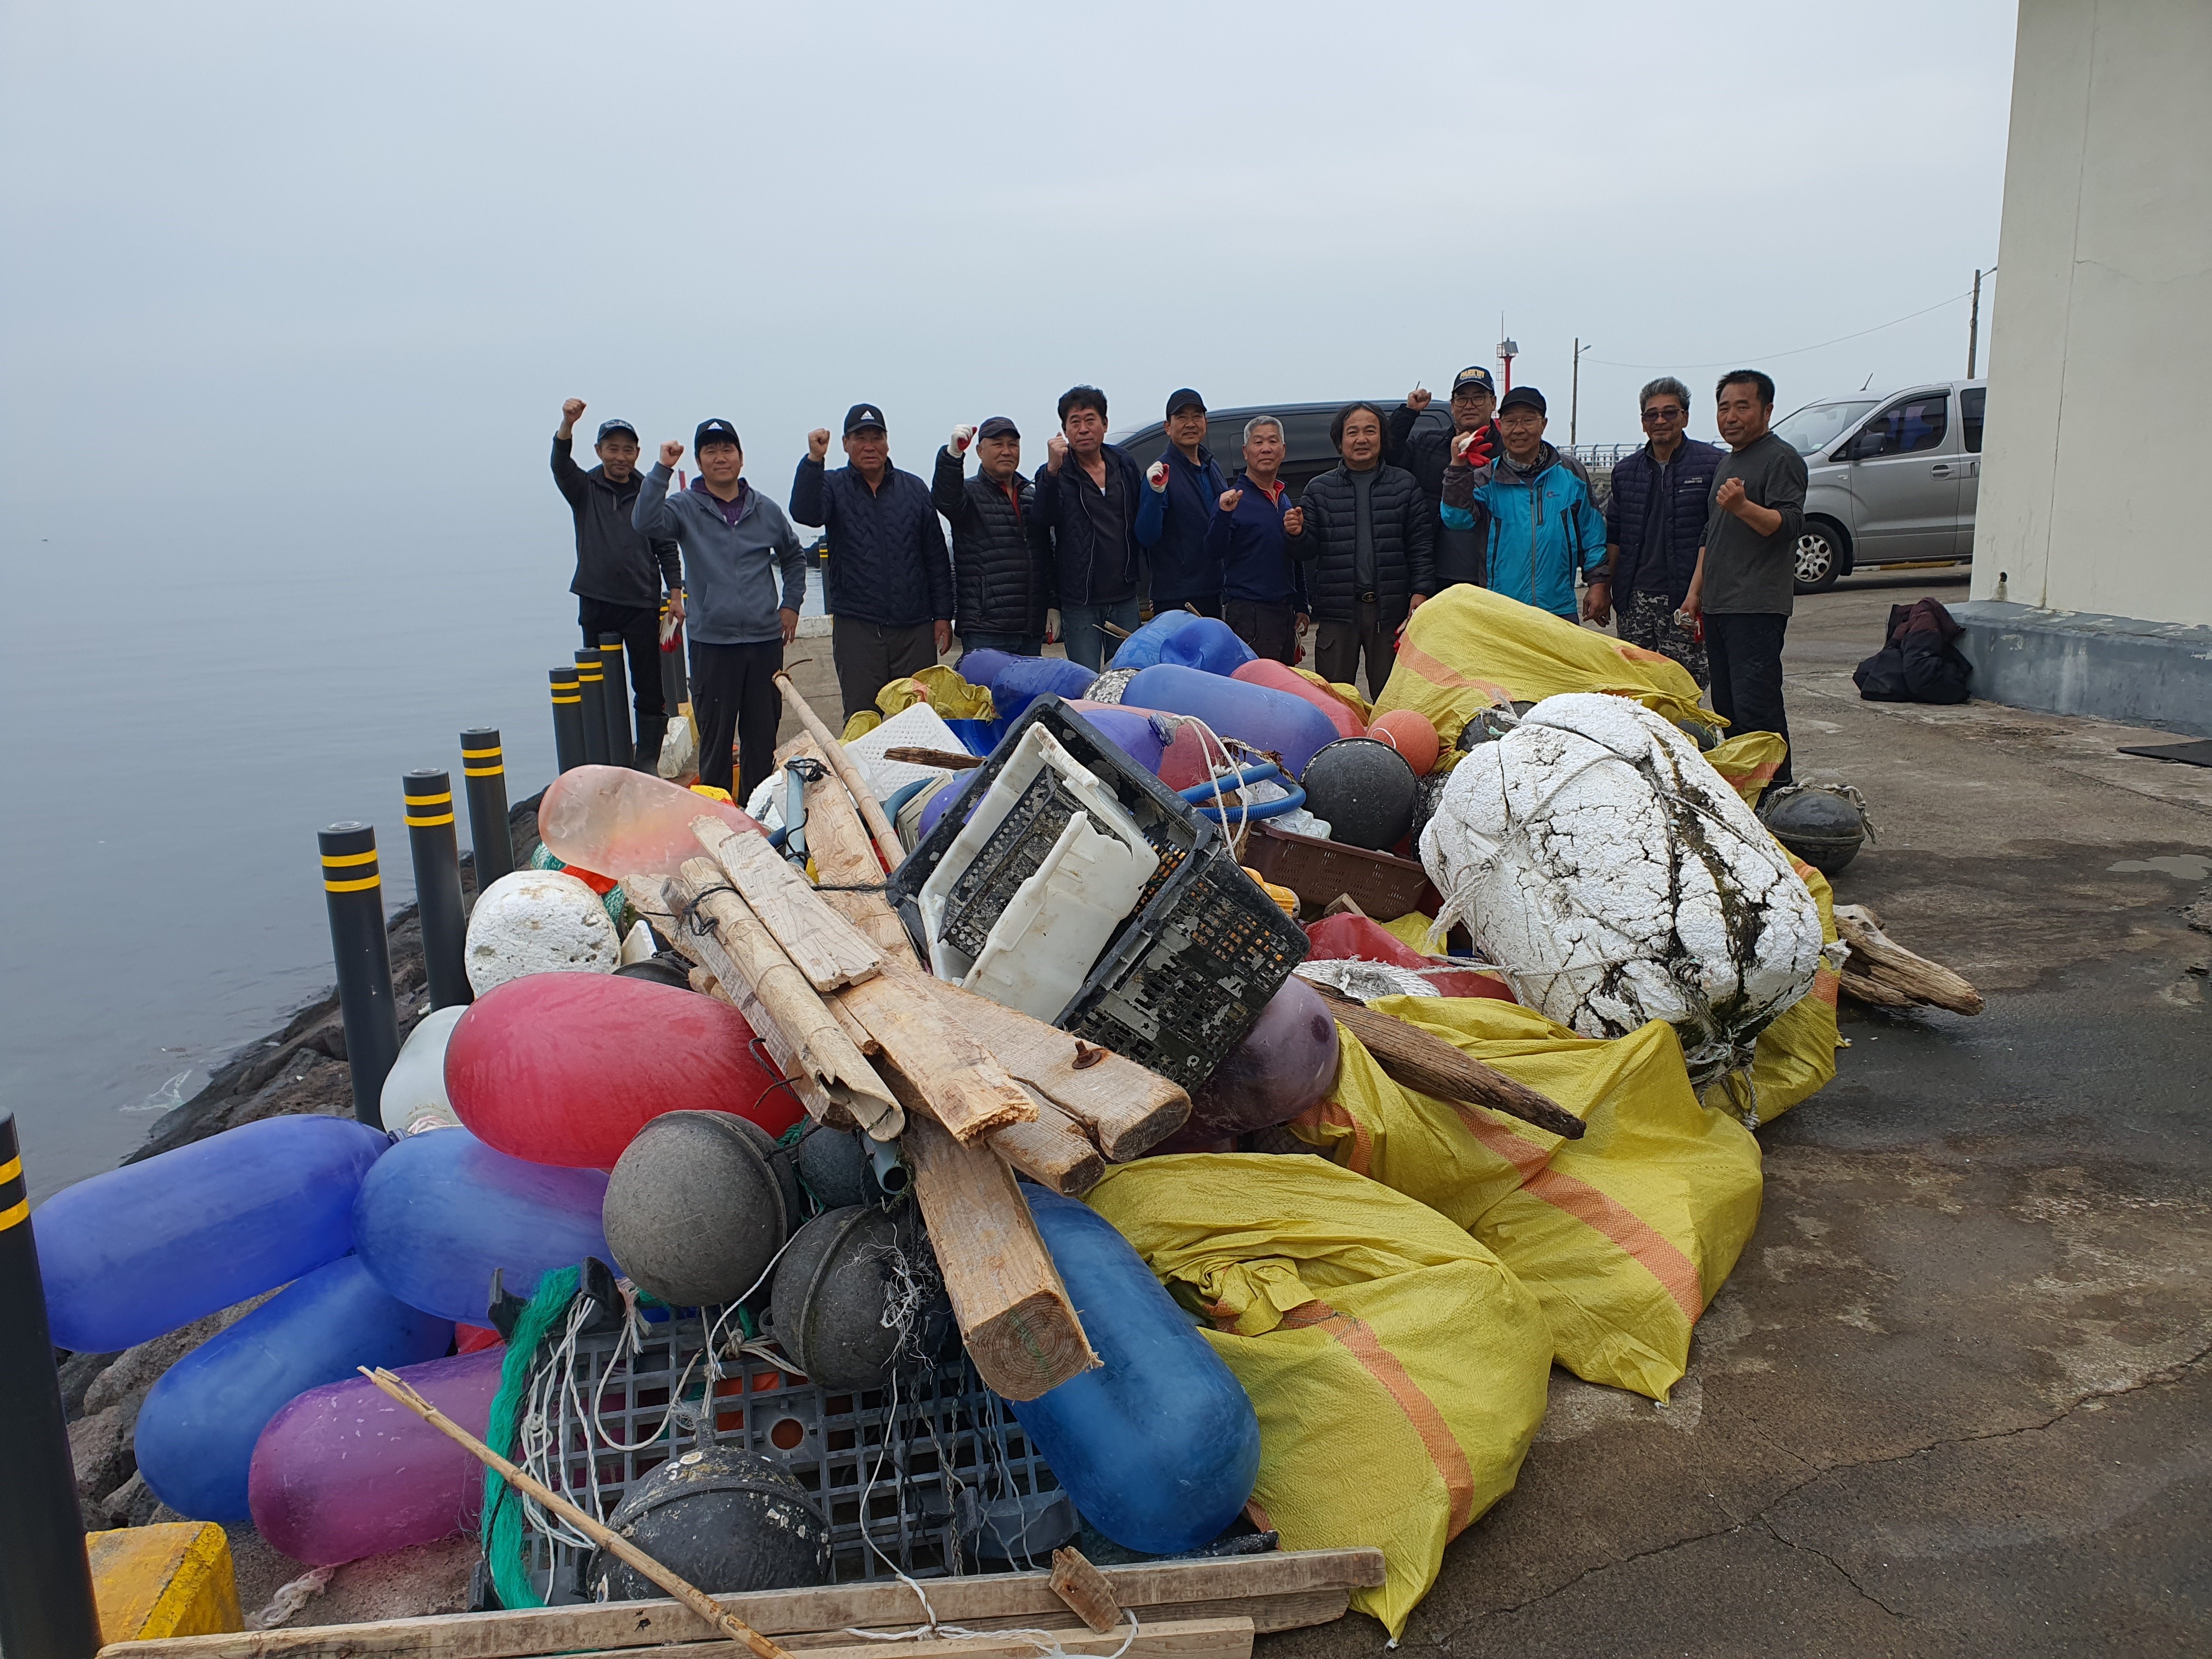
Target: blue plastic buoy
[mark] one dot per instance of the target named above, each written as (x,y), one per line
(134,1253)
(197,1430)
(1159,1446)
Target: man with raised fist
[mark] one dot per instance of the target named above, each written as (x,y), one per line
(1181,488)
(1261,596)
(1425,450)
(619,570)
(889,583)
(999,585)
(1087,496)
(1535,504)
(735,541)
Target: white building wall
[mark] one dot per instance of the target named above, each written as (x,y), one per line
(2097,464)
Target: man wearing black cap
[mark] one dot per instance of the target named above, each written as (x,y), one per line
(1543,523)
(734,540)
(999,580)
(618,571)
(889,584)
(1425,450)
(1180,489)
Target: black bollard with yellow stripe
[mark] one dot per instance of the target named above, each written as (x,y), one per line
(437,858)
(590,680)
(46,1603)
(620,748)
(354,893)
(484,768)
(568,720)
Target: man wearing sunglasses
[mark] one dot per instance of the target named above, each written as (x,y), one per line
(1655,523)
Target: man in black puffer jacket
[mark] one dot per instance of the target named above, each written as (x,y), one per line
(1369,539)
(999,578)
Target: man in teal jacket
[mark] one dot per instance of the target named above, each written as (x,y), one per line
(1544,521)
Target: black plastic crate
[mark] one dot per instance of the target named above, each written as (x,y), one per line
(1186,975)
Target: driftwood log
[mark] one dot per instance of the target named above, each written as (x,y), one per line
(1883,973)
(1430,1065)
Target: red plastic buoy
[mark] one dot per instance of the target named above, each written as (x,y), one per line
(566,1068)
(1365,939)
(1276,677)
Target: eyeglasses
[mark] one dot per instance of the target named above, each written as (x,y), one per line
(1665,413)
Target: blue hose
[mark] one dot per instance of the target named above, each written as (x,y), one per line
(1259,773)
(1265,809)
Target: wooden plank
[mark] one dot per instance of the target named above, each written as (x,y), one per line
(834,755)
(1187,1638)
(967,1090)
(1129,1108)
(1286,1590)
(1430,1065)
(1054,1152)
(1019,1326)
(821,944)
(1085,1589)
(844,859)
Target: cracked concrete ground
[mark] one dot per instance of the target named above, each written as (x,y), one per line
(1956,1399)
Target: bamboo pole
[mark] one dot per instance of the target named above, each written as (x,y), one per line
(605,1537)
(872,811)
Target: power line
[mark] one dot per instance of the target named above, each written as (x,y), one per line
(1797,351)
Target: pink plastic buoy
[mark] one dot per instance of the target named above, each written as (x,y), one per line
(1284,1068)
(345,1471)
(1265,671)
(566,1068)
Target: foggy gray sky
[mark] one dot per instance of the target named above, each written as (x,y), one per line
(252,243)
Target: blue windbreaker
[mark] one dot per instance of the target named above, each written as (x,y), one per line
(1542,529)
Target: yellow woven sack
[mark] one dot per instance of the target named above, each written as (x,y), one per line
(941,687)
(1624,1236)
(1469,649)
(1398,1370)
(1748,762)
(1796,1056)
(1348,695)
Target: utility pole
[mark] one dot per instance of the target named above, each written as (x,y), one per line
(1974,326)
(1574,395)
(1507,351)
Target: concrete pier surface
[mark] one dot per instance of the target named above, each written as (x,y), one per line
(1955,1398)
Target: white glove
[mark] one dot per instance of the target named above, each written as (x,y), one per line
(1157,474)
(962,437)
(1051,626)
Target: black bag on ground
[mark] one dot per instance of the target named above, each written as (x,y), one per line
(1919,664)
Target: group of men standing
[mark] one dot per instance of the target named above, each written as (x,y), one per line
(1694,550)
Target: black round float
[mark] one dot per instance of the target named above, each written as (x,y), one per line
(835,1307)
(1364,788)
(1822,826)
(722,1519)
(834,1166)
(698,1207)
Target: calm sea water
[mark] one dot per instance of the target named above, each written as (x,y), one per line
(191,692)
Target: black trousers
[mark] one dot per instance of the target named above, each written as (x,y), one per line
(1206,604)
(1744,651)
(734,699)
(639,627)
(870,655)
(1272,630)
(1339,646)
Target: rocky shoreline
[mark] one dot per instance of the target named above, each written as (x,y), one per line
(301,1068)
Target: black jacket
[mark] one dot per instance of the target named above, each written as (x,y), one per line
(999,584)
(887,561)
(614,563)
(1426,452)
(1918,663)
(1405,543)
(1084,568)
(1667,568)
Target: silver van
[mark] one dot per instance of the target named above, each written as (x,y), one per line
(1890,480)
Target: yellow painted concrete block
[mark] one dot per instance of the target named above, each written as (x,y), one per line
(174,1580)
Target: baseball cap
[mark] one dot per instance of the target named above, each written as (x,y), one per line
(998,426)
(714,432)
(860,414)
(608,428)
(1475,375)
(1181,396)
(1523,397)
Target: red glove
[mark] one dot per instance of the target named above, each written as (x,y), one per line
(1476,451)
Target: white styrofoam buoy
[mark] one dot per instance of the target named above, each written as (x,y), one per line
(414,1095)
(539,921)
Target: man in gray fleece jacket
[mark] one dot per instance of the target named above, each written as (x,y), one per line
(733,538)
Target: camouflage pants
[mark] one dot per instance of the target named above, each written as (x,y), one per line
(1648,620)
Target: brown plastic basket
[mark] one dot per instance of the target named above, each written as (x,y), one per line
(1318,872)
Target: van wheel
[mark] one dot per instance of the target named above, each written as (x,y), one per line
(1820,557)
